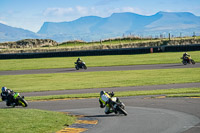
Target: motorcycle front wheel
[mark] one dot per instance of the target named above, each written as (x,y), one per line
(85,67)
(193,62)
(77,68)
(122,111)
(23,102)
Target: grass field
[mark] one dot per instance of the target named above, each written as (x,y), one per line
(173,92)
(195,95)
(15,120)
(93,61)
(64,81)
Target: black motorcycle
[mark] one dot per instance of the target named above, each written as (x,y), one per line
(80,65)
(187,60)
(19,100)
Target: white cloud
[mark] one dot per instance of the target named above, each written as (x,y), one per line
(128,9)
(131,9)
(68,14)
(58,11)
(72,13)
(2,22)
(109,11)
(82,10)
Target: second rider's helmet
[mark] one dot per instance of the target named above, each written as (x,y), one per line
(3,89)
(102,92)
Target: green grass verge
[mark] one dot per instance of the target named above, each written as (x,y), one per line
(120,94)
(32,121)
(185,95)
(180,92)
(65,81)
(93,61)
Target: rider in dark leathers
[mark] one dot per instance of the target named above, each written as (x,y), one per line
(79,62)
(185,56)
(7,96)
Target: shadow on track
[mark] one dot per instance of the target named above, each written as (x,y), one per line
(174,65)
(113,115)
(68,70)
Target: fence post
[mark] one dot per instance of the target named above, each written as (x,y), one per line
(101,42)
(169,37)
(151,50)
(194,35)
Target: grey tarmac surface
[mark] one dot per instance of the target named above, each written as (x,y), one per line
(139,120)
(170,115)
(92,69)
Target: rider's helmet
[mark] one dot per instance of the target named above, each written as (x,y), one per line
(102,92)
(112,94)
(79,59)
(3,89)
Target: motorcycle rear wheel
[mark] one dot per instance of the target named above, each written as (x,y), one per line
(184,62)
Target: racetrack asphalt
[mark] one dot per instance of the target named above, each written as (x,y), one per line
(92,69)
(167,115)
(142,120)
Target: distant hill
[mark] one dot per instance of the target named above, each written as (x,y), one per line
(81,25)
(174,21)
(118,24)
(95,28)
(8,33)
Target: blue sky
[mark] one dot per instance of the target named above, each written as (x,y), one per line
(31,14)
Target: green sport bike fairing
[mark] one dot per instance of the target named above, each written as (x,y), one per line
(19,100)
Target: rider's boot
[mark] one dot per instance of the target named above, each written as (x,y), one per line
(13,105)
(115,111)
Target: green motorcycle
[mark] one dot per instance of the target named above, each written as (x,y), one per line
(19,100)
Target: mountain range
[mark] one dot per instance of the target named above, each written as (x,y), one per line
(8,33)
(91,28)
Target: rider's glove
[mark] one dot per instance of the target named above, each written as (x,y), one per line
(101,105)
